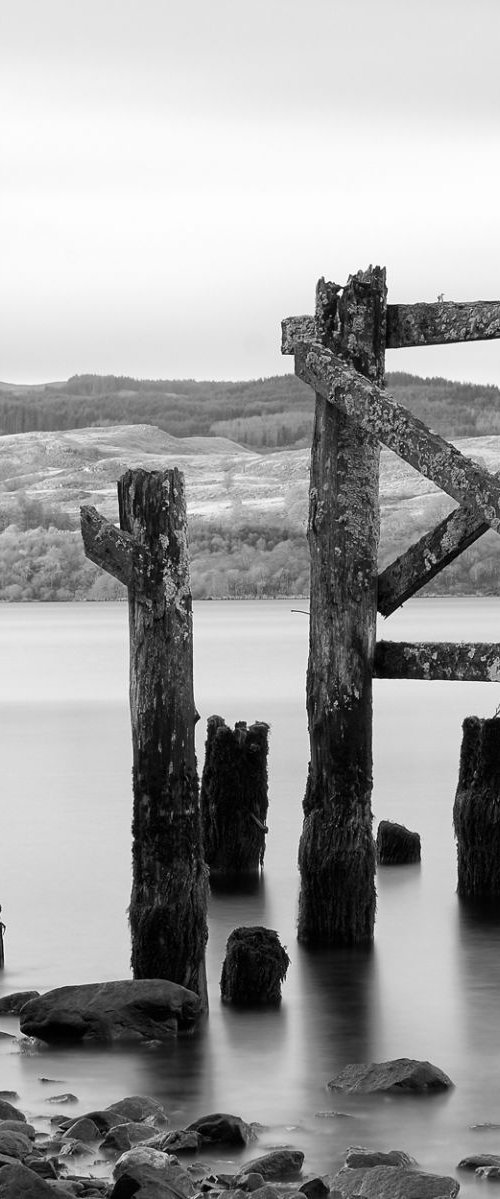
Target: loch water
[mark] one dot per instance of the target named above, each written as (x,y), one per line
(429,988)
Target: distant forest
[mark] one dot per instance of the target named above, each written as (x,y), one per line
(263,414)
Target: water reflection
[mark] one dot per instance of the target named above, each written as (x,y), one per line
(337,988)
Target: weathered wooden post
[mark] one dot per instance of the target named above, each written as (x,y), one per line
(336,852)
(476,811)
(234,798)
(168,908)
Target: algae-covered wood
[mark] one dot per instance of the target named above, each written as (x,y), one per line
(427,557)
(446,660)
(442,322)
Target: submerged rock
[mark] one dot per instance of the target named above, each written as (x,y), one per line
(159,1175)
(357,1156)
(397,1075)
(476,1160)
(221,1128)
(12,1004)
(391,1182)
(132,1009)
(277,1164)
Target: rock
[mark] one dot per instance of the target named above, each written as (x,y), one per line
(254,967)
(479,1159)
(9,1112)
(135,1108)
(488,1172)
(104,1120)
(180,1140)
(82,1129)
(66,1098)
(27,1130)
(251,1182)
(277,1164)
(19,1182)
(159,1175)
(396,845)
(488,1127)
(400,1074)
(14,1003)
(133,1009)
(125,1136)
(391,1182)
(10,1095)
(14,1143)
(221,1128)
(265,1192)
(45,1167)
(314,1188)
(357,1156)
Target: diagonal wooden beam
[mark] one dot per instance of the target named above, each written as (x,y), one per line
(438,324)
(446,660)
(427,557)
(376,413)
(116,552)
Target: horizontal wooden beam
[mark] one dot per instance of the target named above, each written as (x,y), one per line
(116,552)
(427,557)
(376,413)
(449,661)
(295,329)
(437,324)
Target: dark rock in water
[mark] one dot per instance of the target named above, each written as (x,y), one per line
(397,1075)
(66,1098)
(82,1129)
(254,967)
(27,1130)
(159,1176)
(277,1164)
(9,1112)
(358,1157)
(103,1120)
(314,1188)
(391,1182)
(45,1167)
(221,1128)
(488,1127)
(125,1136)
(396,845)
(19,1182)
(250,1182)
(15,1143)
(12,1004)
(479,1159)
(132,1009)
(492,1172)
(178,1141)
(10,1095)
(140,1107)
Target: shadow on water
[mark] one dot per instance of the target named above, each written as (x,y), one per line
(478,944)
(337,987)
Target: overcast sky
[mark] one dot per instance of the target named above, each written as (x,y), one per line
(176,175)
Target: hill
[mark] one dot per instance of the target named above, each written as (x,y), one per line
(247,512)
(262,414)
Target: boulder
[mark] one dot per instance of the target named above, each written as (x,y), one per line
(132,1009)
(19,1182)
(125,1136)
(357,1156)
(254,967)
(15,1143)
(396,845)
(277,1164)
(140,1107)
(82,1129)
(476,1160)
(13,1004)
(397,1075)
(314,1188)
(180,1140)
(159,1175)
(220,1128)
(391,1182)
(9,1112)
(27,1130)
(103,1120)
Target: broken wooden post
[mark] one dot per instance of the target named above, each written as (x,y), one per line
(234,798)
(476,811)
(168,909)
(254,967)
(337,852)
(396,844)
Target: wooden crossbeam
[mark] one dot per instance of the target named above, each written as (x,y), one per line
(117,552)
(376,413)
(447,660)
(437,324)
(427,557)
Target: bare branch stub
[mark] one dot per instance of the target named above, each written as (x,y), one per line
(442,323)
(447,661)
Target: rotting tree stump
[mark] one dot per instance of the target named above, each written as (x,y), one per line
(254,967)
(476,811)
(168,908)
(337,851)
(396,844)
(234,797)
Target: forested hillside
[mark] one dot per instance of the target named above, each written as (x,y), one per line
(264,414)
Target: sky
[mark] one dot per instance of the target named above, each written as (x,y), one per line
(175,175)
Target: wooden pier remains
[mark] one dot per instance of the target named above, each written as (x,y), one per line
(149,554)
(340,353)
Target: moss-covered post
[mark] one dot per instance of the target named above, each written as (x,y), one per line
(476,811)
(337,852)
(234,797)
(168,908)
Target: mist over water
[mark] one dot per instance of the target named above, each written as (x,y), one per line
(430,986)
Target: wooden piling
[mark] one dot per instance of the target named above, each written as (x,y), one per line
(234,797)
(337,852)
(476,811)
(168,908)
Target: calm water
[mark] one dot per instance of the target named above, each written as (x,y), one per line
(429,989)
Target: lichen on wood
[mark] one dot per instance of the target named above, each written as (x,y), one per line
(442,322)
(427,557)
(336,852)
(254,967)
(234,796)
(476,810)
(448,661)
